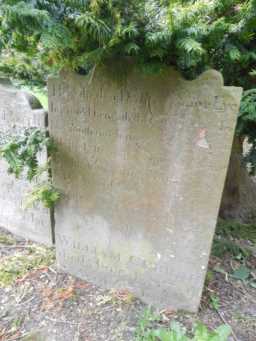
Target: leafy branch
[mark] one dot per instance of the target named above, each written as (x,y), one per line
(22,153)
(39,37)
(246,127)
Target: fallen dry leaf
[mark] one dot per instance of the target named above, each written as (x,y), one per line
(103,299)
(64,293)
(9,335)
(54,298)
(167,314)
(82,285)
(123,295)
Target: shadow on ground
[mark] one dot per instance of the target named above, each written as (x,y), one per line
(39,303)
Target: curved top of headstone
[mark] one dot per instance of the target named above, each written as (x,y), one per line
(19,109)
(5,82)
(125,72)
(33,101)
(7,86)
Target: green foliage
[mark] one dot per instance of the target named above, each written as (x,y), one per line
(236,230)
(232,238)
(247,127)
(176,332)
(214,302)
(226,237)
(222,246)
(191,35)
(242,273)
(6,239)
(45,193)
(22,153)
(19,66)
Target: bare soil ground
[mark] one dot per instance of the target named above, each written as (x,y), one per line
(40,303)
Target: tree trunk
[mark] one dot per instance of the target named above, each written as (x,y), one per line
(239,195)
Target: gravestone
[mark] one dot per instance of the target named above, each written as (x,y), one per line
(20,110)
(141,163)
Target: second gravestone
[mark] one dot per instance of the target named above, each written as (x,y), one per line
(18,111)
(141,162)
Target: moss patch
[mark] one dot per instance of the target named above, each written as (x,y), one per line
(7,240)
(19,264)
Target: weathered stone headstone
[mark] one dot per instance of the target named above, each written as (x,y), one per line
(142,162)
(16,114)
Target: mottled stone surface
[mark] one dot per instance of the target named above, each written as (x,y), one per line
(141,162)
(16,114)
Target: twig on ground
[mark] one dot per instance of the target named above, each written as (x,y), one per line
(61,321)
(52,270)
(15,246)
(225,321)
(18,337)
(77,333)
(29,300)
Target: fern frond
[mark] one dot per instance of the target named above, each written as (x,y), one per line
(92,57)
(56,36)
(190,45)
(94,27)
(25,15)
(131,49)
(129,31)
(160,38)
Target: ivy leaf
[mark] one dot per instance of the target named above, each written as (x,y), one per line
(203,334)
(242,273)
(253,284)
(221,333)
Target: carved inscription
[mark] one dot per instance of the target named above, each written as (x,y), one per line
(142,163)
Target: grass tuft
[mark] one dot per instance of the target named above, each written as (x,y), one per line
(18,265)
(229,228)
